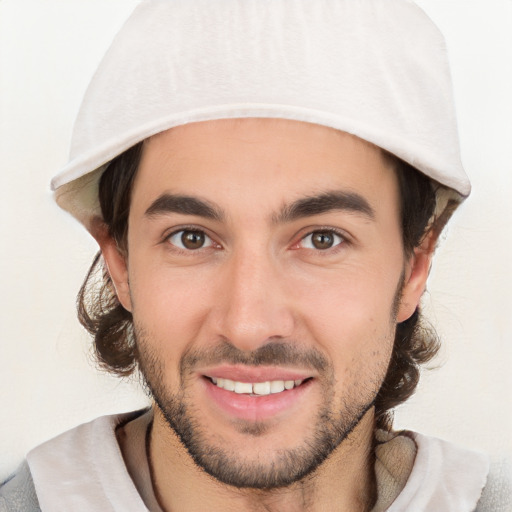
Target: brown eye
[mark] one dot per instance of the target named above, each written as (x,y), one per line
(321,240)
(190,240)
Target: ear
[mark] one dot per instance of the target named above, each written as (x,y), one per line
(115,261)
(416,275)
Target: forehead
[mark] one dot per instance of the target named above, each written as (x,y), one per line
(268,162)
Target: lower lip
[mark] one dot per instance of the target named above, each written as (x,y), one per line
(256,408)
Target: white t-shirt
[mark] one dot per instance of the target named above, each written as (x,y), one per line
(84,469)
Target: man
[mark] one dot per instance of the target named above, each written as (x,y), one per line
(267,182)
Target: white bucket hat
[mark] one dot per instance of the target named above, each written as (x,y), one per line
(377,69)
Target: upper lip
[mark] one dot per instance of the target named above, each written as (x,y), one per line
(241,373)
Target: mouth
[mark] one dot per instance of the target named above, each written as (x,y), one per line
(256,394)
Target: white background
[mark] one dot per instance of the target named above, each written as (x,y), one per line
(48,52)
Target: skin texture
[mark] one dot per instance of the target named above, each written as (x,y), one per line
(255,293)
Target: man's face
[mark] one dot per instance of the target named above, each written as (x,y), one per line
(264,256)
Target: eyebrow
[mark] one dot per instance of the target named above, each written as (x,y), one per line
(304,207)
(186,205)
(324,203)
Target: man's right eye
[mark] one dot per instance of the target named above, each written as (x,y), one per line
(190,239)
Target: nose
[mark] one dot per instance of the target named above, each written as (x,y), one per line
(254,306)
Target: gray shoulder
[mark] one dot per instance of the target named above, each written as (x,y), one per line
(17,493)
(497,494)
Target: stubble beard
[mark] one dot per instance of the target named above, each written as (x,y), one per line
(329,428)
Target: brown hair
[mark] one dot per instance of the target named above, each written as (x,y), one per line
(100,312)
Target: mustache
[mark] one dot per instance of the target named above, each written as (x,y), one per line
(271,354)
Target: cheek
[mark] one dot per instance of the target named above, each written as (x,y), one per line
(351,315)
(170,306)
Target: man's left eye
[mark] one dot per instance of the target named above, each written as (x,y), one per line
(321,240)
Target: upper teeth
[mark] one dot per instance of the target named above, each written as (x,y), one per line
(256,388)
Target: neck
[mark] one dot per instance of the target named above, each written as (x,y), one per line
(344,481)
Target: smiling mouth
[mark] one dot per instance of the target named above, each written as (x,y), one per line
(257,388)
